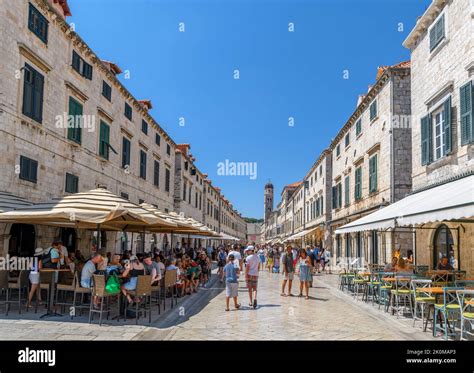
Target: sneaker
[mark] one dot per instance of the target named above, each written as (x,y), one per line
(254,304)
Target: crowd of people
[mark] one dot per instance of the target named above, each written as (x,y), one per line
(193,268)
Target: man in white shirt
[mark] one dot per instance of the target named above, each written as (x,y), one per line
(251,274)
(237,258)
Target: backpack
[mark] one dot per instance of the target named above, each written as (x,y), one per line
(113,285)
(46,260)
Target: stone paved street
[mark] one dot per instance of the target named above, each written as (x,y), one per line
(327,315)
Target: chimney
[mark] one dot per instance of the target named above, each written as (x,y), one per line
(360,99)
(114,69)
(184,148)
(146,104)
(62,7)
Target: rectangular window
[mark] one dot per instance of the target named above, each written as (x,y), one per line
(124,195)
(156,174)
(142,164)
(33,94)
(126,153)
(185,188)
(358,127)
(437,33)
(358,184)
(346,191)
(337,196)
(38,24)
(106,91)
(144,127)
(72,183)
(157,139)
(168,149)
(438,134)
(74,130)
(81,66)
(128,111)
(373,174)
(28,169)
(338,150)
(347,139)
(104,139)
(167,180)
(467,113)
(373,110)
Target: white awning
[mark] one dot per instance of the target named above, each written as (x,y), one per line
(453,200)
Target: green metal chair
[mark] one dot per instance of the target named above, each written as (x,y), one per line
(422,299)
(401,295)
(360,286)
(466,302)
(450,309)
(372,288)
(384,289)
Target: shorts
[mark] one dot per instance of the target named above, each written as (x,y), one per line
(131,284)
(262,259)
(252,282)
(221,263)
(289,276)
(232,289)
(34,278)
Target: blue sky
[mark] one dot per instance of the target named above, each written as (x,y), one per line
(282,74)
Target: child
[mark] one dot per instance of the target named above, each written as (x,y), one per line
(232,283)
(276,265)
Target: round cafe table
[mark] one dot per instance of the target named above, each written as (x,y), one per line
(52,289)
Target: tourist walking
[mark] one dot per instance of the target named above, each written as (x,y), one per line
(261,257)
(251,275)
(304,272)
(232,282)
(288,270)
(221,262)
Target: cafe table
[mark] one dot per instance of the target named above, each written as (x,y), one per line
(52,289)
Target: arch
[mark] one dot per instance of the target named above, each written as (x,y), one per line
(443,244)
(22,241)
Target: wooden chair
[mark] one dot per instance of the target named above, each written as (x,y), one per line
(156,295)
(21,286)
(169,284)
(143,292)
(45,282)
(98,290)
(78,290)
(4,286)
(67,285)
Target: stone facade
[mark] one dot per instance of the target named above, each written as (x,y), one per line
(438,73)
(46,139)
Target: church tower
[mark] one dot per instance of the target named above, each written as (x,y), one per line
(268,203)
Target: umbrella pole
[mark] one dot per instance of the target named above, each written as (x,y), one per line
(170,248)
(98,248)
(131,244)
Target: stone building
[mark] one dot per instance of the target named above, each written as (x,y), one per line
(442,55)
(371,165)
(68,124)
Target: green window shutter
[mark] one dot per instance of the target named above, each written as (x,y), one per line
(339,195)
(426,140)
(346,190)
(357,183)
(74,131)
(334,197)
(448,139)
(373,174)
(104,138)
(28,88)
(125,152)
(467,113)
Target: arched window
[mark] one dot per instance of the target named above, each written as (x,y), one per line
(22,240)
(443,246)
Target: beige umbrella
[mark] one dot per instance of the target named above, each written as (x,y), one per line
(9,202)
(86,210)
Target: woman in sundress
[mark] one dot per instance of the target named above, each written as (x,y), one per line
(304,272)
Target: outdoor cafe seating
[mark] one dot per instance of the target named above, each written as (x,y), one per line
(443,298)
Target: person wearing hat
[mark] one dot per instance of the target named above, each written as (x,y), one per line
(133,269)
(251,275)
(34,277)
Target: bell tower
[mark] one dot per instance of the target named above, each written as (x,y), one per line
(268,202)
